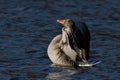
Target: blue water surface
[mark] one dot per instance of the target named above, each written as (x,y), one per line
(28,26)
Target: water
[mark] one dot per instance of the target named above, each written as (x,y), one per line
(28,26)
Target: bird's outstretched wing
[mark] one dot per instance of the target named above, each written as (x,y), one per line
(82,38)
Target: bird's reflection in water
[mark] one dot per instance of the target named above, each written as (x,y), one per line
(65,73)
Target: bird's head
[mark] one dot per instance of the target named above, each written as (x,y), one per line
(67,23)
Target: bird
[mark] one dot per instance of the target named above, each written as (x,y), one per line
(71,47)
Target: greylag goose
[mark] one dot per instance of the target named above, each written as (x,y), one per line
(72,46)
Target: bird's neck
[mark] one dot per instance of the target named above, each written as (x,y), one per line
(67,35)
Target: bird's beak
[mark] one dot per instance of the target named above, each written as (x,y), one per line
(61,21)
